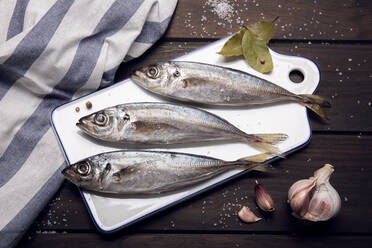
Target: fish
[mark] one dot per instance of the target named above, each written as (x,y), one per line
(216,85)
(128,172)
(168,123)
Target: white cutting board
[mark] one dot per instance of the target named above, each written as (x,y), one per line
(110,214)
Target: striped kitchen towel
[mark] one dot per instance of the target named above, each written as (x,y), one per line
(52,51)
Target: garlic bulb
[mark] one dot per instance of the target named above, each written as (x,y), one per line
(315,199)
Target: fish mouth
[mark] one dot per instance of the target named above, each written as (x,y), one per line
(138,76)
(83,125)
(69,174)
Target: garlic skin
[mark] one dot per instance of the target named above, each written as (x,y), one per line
(315,199)
(263,199)
(246,215)
(299,194)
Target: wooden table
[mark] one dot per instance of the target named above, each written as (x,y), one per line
(336,35)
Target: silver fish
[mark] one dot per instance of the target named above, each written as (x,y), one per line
(166,123)
(150,172)
(216,85)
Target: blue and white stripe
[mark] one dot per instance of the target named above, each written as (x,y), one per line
(52,51)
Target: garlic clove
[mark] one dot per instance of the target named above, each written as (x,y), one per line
(246,215)
(301,185)
(324,204)
(299,195)
(263,199)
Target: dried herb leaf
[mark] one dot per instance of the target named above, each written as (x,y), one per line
(256,52)
(233,47)
(264,30)
(252,43)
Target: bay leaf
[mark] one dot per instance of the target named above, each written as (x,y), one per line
(263,29)
(233,46)
(256,52)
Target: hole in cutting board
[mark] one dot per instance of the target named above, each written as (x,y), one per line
(296,76)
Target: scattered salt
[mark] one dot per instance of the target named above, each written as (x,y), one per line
(172,224)
(222,8)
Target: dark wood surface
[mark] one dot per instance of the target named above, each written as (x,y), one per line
(336,35)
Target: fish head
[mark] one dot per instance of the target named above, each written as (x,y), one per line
(158,77)
(84,174)
(105,124)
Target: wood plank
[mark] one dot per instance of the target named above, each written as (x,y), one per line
(191,240)
(216,209)
(345,77)
(299,19)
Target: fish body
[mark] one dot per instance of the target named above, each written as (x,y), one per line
(150,172)
(166,123)
(216,85)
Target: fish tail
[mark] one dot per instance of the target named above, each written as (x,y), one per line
(267,142)
(255,162)
(258,158)
(315,103)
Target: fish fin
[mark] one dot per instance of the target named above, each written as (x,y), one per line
(267,142)
(263,168)
(315,103)
(255,162)
(105,171)
(258,158)
(246,165)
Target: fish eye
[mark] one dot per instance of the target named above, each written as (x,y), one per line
(83,169)
(153,72)
(126,117)
(100,119)
(177,73)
